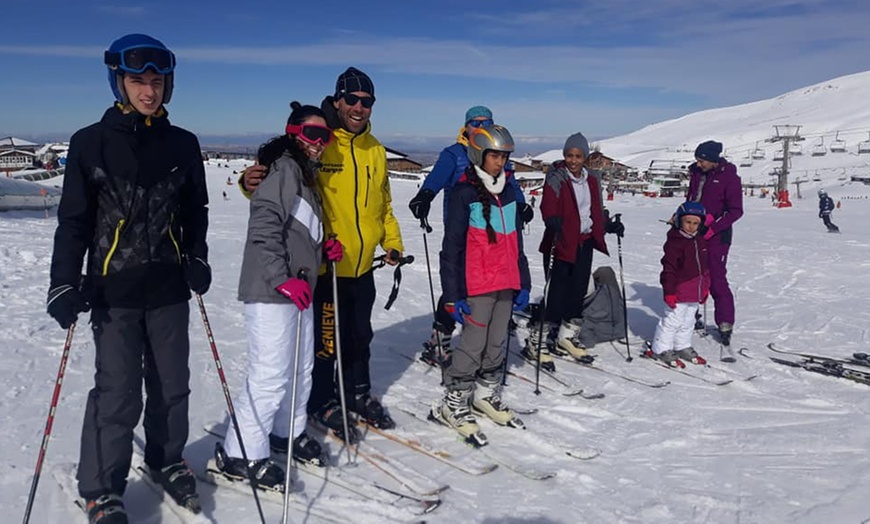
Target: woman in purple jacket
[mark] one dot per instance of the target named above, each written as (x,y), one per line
(715,184)
(685,282)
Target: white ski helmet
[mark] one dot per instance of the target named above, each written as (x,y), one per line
(822,192)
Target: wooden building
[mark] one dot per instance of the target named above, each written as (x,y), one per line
(16,154)
(398,161)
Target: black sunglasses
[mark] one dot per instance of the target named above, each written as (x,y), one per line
(351,100)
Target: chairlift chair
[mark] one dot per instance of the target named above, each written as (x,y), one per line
(778,154)
(746,161)
(795,149)
(864,147)
(819,149)
(758,153)
(838,146)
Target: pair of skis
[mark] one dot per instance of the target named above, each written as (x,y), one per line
(828,366)
(404,501)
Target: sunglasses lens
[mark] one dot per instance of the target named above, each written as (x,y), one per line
(137,59)
(480,123)
(367,102)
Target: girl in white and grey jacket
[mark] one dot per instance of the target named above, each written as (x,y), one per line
(283,252)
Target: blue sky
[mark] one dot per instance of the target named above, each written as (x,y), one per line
(546,68)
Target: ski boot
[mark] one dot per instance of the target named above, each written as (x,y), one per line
(371,409)
(179,483)
(454,412)
(669,357)
(329,416)
(106,509)
(691,355)
(568,342)
(306,450)
(431,355)
(725,330)
(530,347)
(267,475)
(487,401)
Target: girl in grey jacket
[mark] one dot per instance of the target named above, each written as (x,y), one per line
(282,255)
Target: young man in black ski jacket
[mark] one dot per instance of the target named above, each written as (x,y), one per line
(134,208)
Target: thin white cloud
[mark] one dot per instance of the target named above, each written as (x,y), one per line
(121,10)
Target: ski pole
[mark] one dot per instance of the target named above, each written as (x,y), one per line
(618,219)
(230,409)
(49,421)
(544,314)
(507,351)
(424,224)
(290,464)
(339,361)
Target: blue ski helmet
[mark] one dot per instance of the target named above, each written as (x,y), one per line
(135,53)
(690,209)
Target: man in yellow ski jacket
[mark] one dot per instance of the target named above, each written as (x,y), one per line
(357,208)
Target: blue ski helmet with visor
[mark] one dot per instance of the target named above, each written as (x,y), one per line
(136,53)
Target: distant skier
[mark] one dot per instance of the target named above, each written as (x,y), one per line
(685,280)
(826,206)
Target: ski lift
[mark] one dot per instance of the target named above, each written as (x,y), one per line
(778,154)
(838,146)
(758,153)
(819,149)
(795,149)
(746,161)
(864,147)
(816,177)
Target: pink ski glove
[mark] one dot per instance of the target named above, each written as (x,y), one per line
(708,220)
(333,250)
(298,291)
(709,234)
(671,301)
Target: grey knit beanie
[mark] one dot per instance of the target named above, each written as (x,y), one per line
(579,141)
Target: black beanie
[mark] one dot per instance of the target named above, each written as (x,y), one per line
(353,80)
(709,151)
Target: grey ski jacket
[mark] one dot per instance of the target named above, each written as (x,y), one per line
(285,233)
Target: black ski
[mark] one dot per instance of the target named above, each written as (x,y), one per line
(827,367)
(857,359)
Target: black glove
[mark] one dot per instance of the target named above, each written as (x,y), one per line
(527,213)
(420,203)
(615,226)
(65,303)
(554,225)
(198,275)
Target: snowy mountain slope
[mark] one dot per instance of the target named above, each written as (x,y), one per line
(822,110)
(785,447)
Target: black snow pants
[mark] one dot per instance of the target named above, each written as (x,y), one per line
(132,346)
(356,298)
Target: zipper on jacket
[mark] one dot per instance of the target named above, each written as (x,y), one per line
(368,183)
(114,246)
(172,237)
(356,206)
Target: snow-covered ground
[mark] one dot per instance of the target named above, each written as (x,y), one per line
(788,446)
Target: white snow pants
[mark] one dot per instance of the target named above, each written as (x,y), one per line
(263,406)
(674,330)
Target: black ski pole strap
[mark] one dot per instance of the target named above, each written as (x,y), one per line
(397,280)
